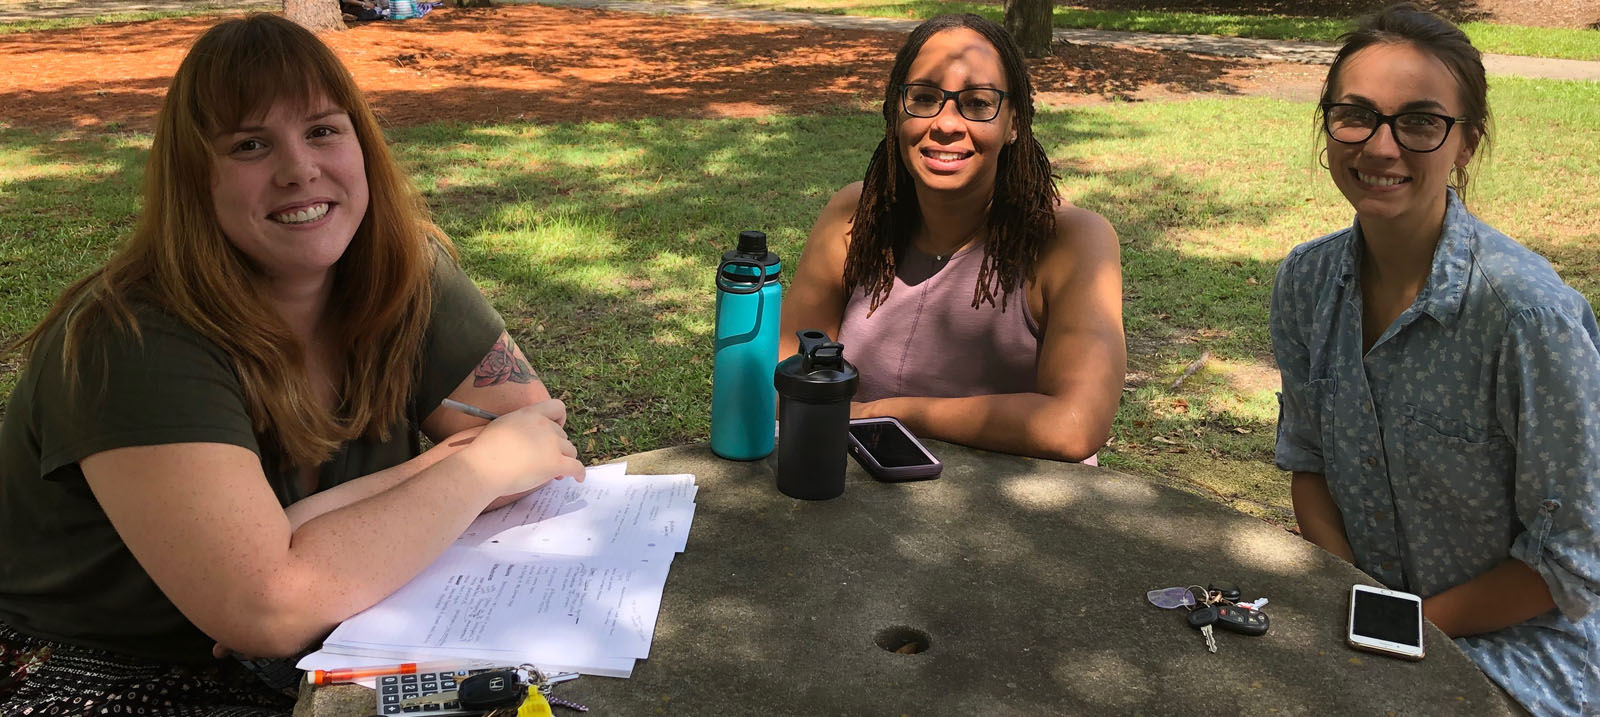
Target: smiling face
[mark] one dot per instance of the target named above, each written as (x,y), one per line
(290,188)
(1382,180)
(948,152)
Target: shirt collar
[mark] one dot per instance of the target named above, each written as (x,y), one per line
(1452,261)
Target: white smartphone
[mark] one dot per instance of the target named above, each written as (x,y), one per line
(1386,621)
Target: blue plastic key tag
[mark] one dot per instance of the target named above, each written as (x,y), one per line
(1170,598)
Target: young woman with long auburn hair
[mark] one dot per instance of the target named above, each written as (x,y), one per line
(978,306)
(215,443)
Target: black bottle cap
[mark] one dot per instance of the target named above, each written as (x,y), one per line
(753,242)
(818,373)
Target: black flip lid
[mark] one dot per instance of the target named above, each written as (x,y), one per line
(818,373)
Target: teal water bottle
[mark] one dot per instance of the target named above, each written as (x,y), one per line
(744,402)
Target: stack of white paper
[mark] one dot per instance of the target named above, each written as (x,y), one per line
(569,579)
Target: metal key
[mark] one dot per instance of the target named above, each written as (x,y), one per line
(1202,619)
(543,683)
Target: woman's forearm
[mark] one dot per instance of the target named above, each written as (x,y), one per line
(349,492)
(1031,424)
(1509,594)
(1319,517)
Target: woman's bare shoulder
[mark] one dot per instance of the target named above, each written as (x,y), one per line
(846,199)
(833,223)
(1076,223)
(1083,238)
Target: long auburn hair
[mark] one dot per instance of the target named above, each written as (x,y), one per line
(1021,213)
(178,259)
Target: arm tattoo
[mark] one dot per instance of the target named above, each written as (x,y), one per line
(503,363)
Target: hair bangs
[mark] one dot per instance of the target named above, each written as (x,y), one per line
(251,66)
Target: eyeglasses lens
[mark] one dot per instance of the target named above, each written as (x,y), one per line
(1416,131)
(978,104)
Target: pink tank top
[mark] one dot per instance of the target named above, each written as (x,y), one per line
(927,340)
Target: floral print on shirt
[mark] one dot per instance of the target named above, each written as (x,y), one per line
(1468,434)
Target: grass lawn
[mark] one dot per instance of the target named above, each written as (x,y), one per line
(597,242)
(1574,44)
(57,23)
(194,7)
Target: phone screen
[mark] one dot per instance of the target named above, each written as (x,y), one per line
(890,446)
(1385,617)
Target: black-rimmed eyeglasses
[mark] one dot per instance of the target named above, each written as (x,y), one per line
(979,104)
(1413,131)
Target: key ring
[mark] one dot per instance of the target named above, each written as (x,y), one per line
(530,674)
(1205,598)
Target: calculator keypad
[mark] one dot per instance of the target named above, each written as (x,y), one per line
(396,689)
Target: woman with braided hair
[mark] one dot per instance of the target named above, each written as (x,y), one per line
(978,306)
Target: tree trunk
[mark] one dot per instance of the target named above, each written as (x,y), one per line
(474,3)
(314,15)
(1030,24)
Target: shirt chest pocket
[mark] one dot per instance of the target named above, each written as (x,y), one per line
(1457,469)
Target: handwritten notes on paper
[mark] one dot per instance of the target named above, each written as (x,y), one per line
(568,578)
(604,514)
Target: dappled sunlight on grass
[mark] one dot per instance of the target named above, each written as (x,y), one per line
(597,242)
(603,237)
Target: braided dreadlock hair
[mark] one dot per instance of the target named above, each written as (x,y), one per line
(1021,214)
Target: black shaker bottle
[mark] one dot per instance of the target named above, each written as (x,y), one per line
(814,391)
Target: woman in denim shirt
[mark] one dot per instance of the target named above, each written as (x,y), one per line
(1441,384)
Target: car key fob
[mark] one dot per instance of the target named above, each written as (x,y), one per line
(1242,620)
(492,690)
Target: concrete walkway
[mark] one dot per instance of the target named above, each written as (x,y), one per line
(1274,50)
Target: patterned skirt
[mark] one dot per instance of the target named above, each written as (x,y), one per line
(40,677)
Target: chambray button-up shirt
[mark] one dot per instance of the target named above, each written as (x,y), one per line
(1469,433)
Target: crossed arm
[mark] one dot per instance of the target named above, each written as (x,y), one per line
(1508,594)
(1082,358)
(203,521)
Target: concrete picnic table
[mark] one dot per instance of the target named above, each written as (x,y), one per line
(1022,580)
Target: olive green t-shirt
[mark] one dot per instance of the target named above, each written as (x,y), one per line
(66,575)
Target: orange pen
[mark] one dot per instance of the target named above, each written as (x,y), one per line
(351,674)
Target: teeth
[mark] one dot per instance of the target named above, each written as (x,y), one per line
(946,156)
(1379,181)
(309,214)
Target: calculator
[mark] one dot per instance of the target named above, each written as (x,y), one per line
(396,689)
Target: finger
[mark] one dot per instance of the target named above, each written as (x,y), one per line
(219,652)
(567,449)
(574,468)
(554,410)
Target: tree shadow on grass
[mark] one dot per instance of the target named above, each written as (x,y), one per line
(597,242)
(1126,73)
(554,65)
(628,301)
